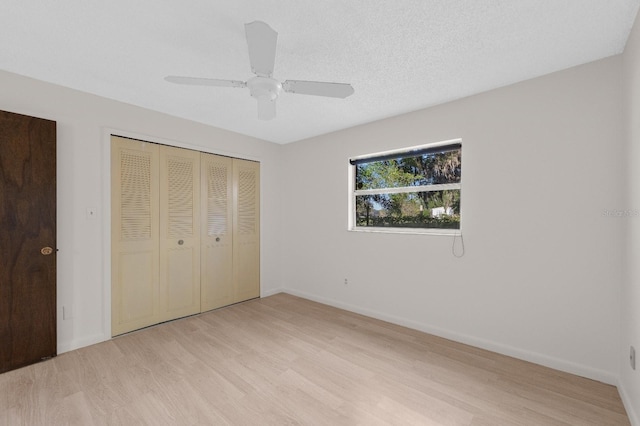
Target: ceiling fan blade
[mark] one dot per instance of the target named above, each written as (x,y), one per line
(266,109)
(318,88)
(195,81)
(261,39)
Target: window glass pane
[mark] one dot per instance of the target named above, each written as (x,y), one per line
(426,169)
(424,209)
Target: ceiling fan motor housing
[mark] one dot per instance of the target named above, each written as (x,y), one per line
(264,88)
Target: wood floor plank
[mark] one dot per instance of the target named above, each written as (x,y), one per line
(283,360)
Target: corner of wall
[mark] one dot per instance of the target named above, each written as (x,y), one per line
(629,380)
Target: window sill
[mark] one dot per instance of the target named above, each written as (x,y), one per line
(412,231)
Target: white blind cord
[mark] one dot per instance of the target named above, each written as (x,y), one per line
(457,253)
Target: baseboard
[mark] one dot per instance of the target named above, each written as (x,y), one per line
(634,418)
(81,343)
(267,293)
(536,358)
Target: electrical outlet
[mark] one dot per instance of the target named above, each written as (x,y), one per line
(346,281)
(632,357)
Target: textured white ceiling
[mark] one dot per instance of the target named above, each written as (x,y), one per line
(400,56)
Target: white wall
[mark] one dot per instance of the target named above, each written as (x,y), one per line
(630,379)
(83,174)
(540,281)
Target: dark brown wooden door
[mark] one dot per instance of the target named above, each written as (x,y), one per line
(27,240)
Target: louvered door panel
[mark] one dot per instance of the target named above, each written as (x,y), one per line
(134,234)
(246,229)
(185,233)
(179,232)
(216,236)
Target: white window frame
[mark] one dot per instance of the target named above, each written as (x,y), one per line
(353,193)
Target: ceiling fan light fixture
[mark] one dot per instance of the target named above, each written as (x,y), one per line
(264,88)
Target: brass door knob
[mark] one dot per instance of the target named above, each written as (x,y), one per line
(46,251)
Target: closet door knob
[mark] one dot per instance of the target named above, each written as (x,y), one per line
(180,242)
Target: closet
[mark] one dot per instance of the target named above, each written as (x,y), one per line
(184,232)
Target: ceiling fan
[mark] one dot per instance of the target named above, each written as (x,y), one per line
(262,39)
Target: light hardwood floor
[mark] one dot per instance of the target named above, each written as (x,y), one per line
(283,360)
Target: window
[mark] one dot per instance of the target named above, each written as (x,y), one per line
(410,190)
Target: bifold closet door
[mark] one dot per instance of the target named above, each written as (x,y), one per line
(155,234)
(216,233)
(134,234)
(246,229)
(179,232)
(185,232)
